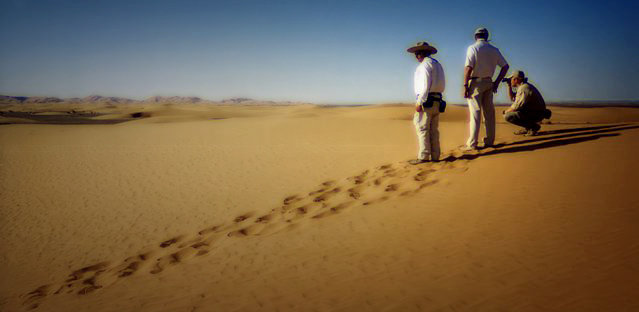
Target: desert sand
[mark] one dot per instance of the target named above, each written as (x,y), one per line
(196,207)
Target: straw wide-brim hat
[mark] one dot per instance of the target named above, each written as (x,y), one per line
(422,46)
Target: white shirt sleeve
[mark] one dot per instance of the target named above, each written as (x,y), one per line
(501,61)
(471,57)
(442,77)
(426,83)
(419,80)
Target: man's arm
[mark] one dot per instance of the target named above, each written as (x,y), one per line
(519,99)
(511,94)
(502,74)
(467,71)
(426,88)
(428,81)
(471,59)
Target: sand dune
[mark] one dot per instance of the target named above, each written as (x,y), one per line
(306,208)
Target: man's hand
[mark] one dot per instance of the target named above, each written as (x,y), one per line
(418,108)
(495,86)
(502,74)
(466,92)
(511,95)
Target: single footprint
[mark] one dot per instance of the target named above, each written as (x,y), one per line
(328,183)
(302,210)
(370,202)
(171,241)
(33,298)
(359,179)
(243,217)
(326,195)
(384,167)
(391,187)
(354,192)
(264,219)
(78,274)
(291,199)
(253,229)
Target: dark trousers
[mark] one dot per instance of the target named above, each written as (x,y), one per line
(524,119)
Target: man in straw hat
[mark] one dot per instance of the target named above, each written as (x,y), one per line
(429,83)
(528,108)
(479,86)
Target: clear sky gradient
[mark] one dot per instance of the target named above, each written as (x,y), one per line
(317,51)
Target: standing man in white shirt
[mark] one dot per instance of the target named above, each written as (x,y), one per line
(429,83)
(479,86)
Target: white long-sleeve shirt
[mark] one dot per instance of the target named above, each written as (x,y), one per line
(429,77)
(483,57)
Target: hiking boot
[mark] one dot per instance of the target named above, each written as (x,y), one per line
(533,131)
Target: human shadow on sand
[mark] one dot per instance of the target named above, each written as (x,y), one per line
(570,133)
(569,130)
(546,142)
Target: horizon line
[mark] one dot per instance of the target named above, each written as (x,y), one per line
(338,102)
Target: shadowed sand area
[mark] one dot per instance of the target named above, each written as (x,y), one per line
(307,208)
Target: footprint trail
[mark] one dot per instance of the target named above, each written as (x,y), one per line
(329,198)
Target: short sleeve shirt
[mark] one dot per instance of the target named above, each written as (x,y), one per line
(483,57)
(528,99)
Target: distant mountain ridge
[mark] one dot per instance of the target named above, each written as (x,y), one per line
(5,99)
(99,99)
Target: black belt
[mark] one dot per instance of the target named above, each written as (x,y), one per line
(434,97)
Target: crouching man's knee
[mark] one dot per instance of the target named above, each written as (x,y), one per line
(511,117)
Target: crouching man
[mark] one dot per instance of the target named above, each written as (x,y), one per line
(528,108)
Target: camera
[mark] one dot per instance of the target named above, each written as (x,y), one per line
(505,80)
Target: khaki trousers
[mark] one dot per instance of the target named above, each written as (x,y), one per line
(481,102)
(427,128)
(528,120)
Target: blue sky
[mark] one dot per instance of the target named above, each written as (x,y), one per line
(317,51)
